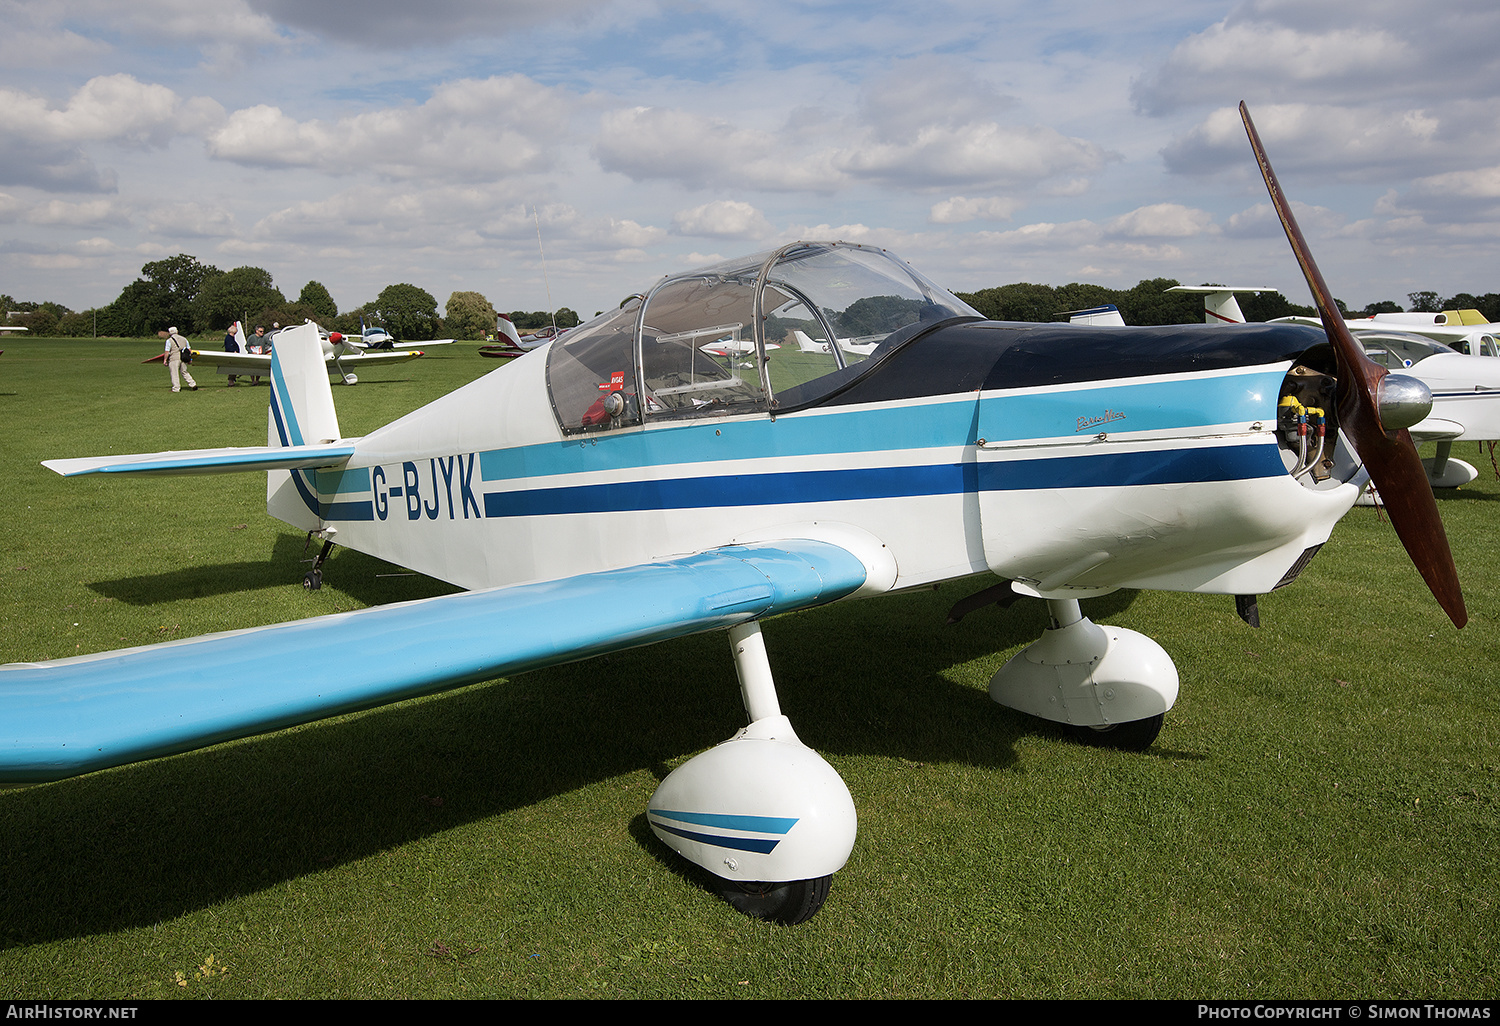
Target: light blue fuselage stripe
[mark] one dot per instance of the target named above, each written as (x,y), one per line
(1095,470)
(725,821)
(285,419)
(1180,404)
(759,845)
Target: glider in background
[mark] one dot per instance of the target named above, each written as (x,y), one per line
(338,355)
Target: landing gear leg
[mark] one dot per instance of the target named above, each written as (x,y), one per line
(762,812)
(313,579)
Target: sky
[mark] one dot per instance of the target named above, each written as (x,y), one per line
(569,153)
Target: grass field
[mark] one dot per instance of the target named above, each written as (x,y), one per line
(1317,819)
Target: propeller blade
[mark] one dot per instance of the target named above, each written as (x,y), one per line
(1390,456)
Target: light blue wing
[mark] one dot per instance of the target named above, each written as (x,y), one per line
(71,716)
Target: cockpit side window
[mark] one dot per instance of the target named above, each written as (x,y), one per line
(697,348)
(1395,352)
(841,305)
(591,374)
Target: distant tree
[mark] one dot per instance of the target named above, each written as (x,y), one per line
(162,297)
(316,296)
(566,318)
(227,297)
(530,320)
(878,315)
(39,322)
(469,315)
(1077,296)
(1021,301)
(349,321)
(1384,306)
(1488,304)
(76,325)
(1424,302)
(140,310)
(409,312)
(1267,306)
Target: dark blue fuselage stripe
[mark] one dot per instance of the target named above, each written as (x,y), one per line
(1156,467)
(1102,470)
(763,846)
(736,490)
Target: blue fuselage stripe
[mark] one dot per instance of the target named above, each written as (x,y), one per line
(1175,405)
(760,845)
(1151,467)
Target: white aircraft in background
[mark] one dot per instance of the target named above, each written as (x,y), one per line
(1465,392)
(379,338)
(860,347)
(13,327)
(1106,316)
(338,355)
(1466,331)
(514,343)
(1465,389)
(606,491)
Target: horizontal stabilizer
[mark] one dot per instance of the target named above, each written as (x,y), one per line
(209,461)
(70,716)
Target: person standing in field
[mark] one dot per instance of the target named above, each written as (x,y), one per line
(177,348)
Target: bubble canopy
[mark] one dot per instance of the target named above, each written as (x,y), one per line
(772,331)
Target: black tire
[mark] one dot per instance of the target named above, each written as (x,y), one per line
(312,580)
(1134,736)
(788,903)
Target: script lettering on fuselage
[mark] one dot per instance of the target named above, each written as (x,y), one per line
(1085,423)
(442,486)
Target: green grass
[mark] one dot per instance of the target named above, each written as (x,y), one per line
(1318,818)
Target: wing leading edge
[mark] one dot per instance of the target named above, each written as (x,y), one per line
(209,461)
(70,716)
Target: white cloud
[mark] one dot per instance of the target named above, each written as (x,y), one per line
(77,214)
(677,145)
(199,220)
(727,219)
(960,209)
(974,154)
(399,24)
(467,130)
(1161,221)
(116,108)
(1347,143)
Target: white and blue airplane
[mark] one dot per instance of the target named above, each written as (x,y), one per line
(338,355)
(378,338)
(618,486)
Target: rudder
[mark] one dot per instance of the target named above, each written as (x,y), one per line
(301,413)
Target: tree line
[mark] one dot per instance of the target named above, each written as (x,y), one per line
(1149,302)
(198,299)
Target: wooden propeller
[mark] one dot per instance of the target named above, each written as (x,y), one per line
(1388,455)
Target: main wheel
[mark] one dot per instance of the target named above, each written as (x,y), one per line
(789,903)
(312,580)
(1134,736)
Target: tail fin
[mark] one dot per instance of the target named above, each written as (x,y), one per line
(807,345)
(504,326)
(1219,304)
(1108,315)
(301,413)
